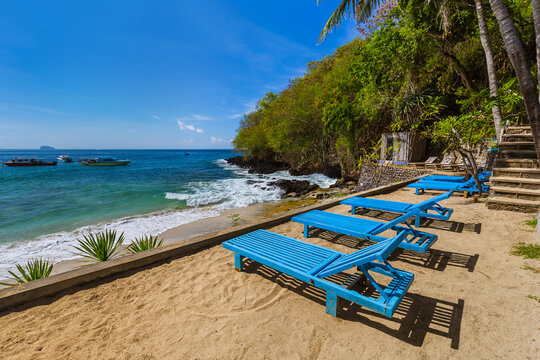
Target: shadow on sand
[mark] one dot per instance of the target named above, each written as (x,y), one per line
(446,225)
(434,259)
(415,317)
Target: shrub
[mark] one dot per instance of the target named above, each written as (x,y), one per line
(32,270)
(101,246)
(144,243)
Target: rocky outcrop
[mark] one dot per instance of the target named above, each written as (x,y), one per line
(256,165)
(298,187)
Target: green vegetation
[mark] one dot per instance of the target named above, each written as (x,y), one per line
(528,251)
(144,243)
(100,247)
(531,268)
(407,71)
(532,222)
(32,270)
(285,206)
(534,297)
(235,219)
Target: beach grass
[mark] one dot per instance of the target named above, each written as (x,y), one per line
(528,251)
(531,268)
(285,206)
(144,243)
(534,297)
(100,247)
(32,270)
(532,222)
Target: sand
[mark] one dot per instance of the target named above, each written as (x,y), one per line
(468,300)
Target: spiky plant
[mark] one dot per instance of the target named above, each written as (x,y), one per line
(32,270)
(101,246)
(144,243)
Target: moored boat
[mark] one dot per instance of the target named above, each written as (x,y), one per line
(19,161)
(65,158)
(105,161)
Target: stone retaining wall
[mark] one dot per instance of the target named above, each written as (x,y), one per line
(372,176)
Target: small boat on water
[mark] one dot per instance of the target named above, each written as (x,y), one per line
(105,161)
(65,158)
(187,154)
(19,161)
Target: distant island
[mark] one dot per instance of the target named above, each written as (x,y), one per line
(46,148)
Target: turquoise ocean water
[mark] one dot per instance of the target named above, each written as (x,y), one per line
(44,209)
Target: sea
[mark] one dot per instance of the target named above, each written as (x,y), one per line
(45,209)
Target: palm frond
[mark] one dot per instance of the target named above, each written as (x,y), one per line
(360,10)
(32,270)
(144,243)
(101,246)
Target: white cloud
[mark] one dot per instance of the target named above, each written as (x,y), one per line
(195,117)
(184,126)
(155,117)
(216,140)
(235,116)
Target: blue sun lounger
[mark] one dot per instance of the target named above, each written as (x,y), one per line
(483,177)
(428,209)
(315,264)
(368,229)
(469,186)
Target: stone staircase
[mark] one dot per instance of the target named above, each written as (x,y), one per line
(515,183)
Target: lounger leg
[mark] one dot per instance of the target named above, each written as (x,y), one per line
(306,231)
(353,208)
(238,261)
(331,303)
(417,221)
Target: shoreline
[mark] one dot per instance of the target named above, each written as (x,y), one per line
(248,214)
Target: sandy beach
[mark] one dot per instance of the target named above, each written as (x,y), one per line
(469,300)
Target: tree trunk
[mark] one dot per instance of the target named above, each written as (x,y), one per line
(516,54)
(490,64)
(536,17)
(471,168)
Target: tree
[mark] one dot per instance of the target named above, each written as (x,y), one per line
(490,64)
(518,59)
(361,10)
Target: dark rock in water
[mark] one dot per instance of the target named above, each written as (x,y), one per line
(257,165)
(300,187)
(251,182)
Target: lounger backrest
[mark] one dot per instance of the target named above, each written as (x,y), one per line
(431,160)
(424,205)
(379,251)
(447,161)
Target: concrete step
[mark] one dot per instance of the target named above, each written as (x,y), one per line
(505,203)
(515,193)
(518,130)
(518,151)
(528,173)
(515,180)
(517,163)
(516,143)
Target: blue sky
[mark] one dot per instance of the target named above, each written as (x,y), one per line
(148,74)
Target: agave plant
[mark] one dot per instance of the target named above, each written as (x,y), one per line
(144,243)
(32,270)
(101,246)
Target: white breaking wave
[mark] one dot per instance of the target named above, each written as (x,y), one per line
(59,246)
(240,192)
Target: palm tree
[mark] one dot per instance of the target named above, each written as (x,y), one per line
(518,59)
(361,10)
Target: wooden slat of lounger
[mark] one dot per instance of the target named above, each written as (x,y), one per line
(338,223)
(377,204)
